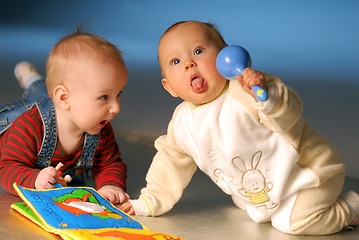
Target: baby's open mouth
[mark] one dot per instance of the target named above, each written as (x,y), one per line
(198,84)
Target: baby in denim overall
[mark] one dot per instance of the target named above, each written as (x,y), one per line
(81,95)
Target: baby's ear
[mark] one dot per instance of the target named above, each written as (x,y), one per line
(62,96)
(168,87)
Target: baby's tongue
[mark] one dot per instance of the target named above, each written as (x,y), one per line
(197,84)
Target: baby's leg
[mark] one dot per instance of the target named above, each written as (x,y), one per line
(35,89)
(318,211)
(26,74)
(31,81)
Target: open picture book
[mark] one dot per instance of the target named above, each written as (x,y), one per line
(80,213)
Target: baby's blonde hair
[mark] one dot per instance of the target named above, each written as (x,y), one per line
(72,47)
(214,34)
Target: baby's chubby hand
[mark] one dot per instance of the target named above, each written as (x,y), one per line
(114,194)
(127,208)
(251,78)
(46,178)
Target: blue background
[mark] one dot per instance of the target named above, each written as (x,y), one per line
(318,37)
(312,45)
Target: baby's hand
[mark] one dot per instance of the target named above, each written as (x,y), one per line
(251,78)
(46,178)
(127,208)
(114,194)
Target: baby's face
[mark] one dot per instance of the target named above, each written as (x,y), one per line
(95,86)
(187,57)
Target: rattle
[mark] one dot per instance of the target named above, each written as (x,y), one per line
(231,61)
(63,180)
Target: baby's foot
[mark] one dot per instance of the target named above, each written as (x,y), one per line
(352,199)
(26,74)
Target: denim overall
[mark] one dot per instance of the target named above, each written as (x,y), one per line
(37,95)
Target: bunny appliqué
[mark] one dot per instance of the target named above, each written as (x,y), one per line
(254,184)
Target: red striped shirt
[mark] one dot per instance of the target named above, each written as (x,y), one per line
(20,144)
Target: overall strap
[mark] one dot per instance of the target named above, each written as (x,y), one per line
(88,151)
(47,112)
(48,146)
(79,172)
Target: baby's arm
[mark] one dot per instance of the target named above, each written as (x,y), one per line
(170,172)
(108,168)
(46,178)
(252,78)
(114,194)
(283,108)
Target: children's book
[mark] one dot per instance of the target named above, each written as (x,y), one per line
(76,213)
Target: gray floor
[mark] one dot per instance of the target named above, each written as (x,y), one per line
(204,212)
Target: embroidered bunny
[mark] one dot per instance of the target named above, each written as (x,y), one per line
(255,187)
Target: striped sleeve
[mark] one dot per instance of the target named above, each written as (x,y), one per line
(18,147)
(108,168)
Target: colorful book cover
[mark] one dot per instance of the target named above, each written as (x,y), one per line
(80,213)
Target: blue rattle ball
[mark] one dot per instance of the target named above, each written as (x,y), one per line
(231,61)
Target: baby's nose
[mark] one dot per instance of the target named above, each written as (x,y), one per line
(115,107)
(190,64)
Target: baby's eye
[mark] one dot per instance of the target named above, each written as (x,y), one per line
(175,61)
(104,98)
(119,94)
(198,51)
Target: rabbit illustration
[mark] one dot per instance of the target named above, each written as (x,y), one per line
(255,187)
